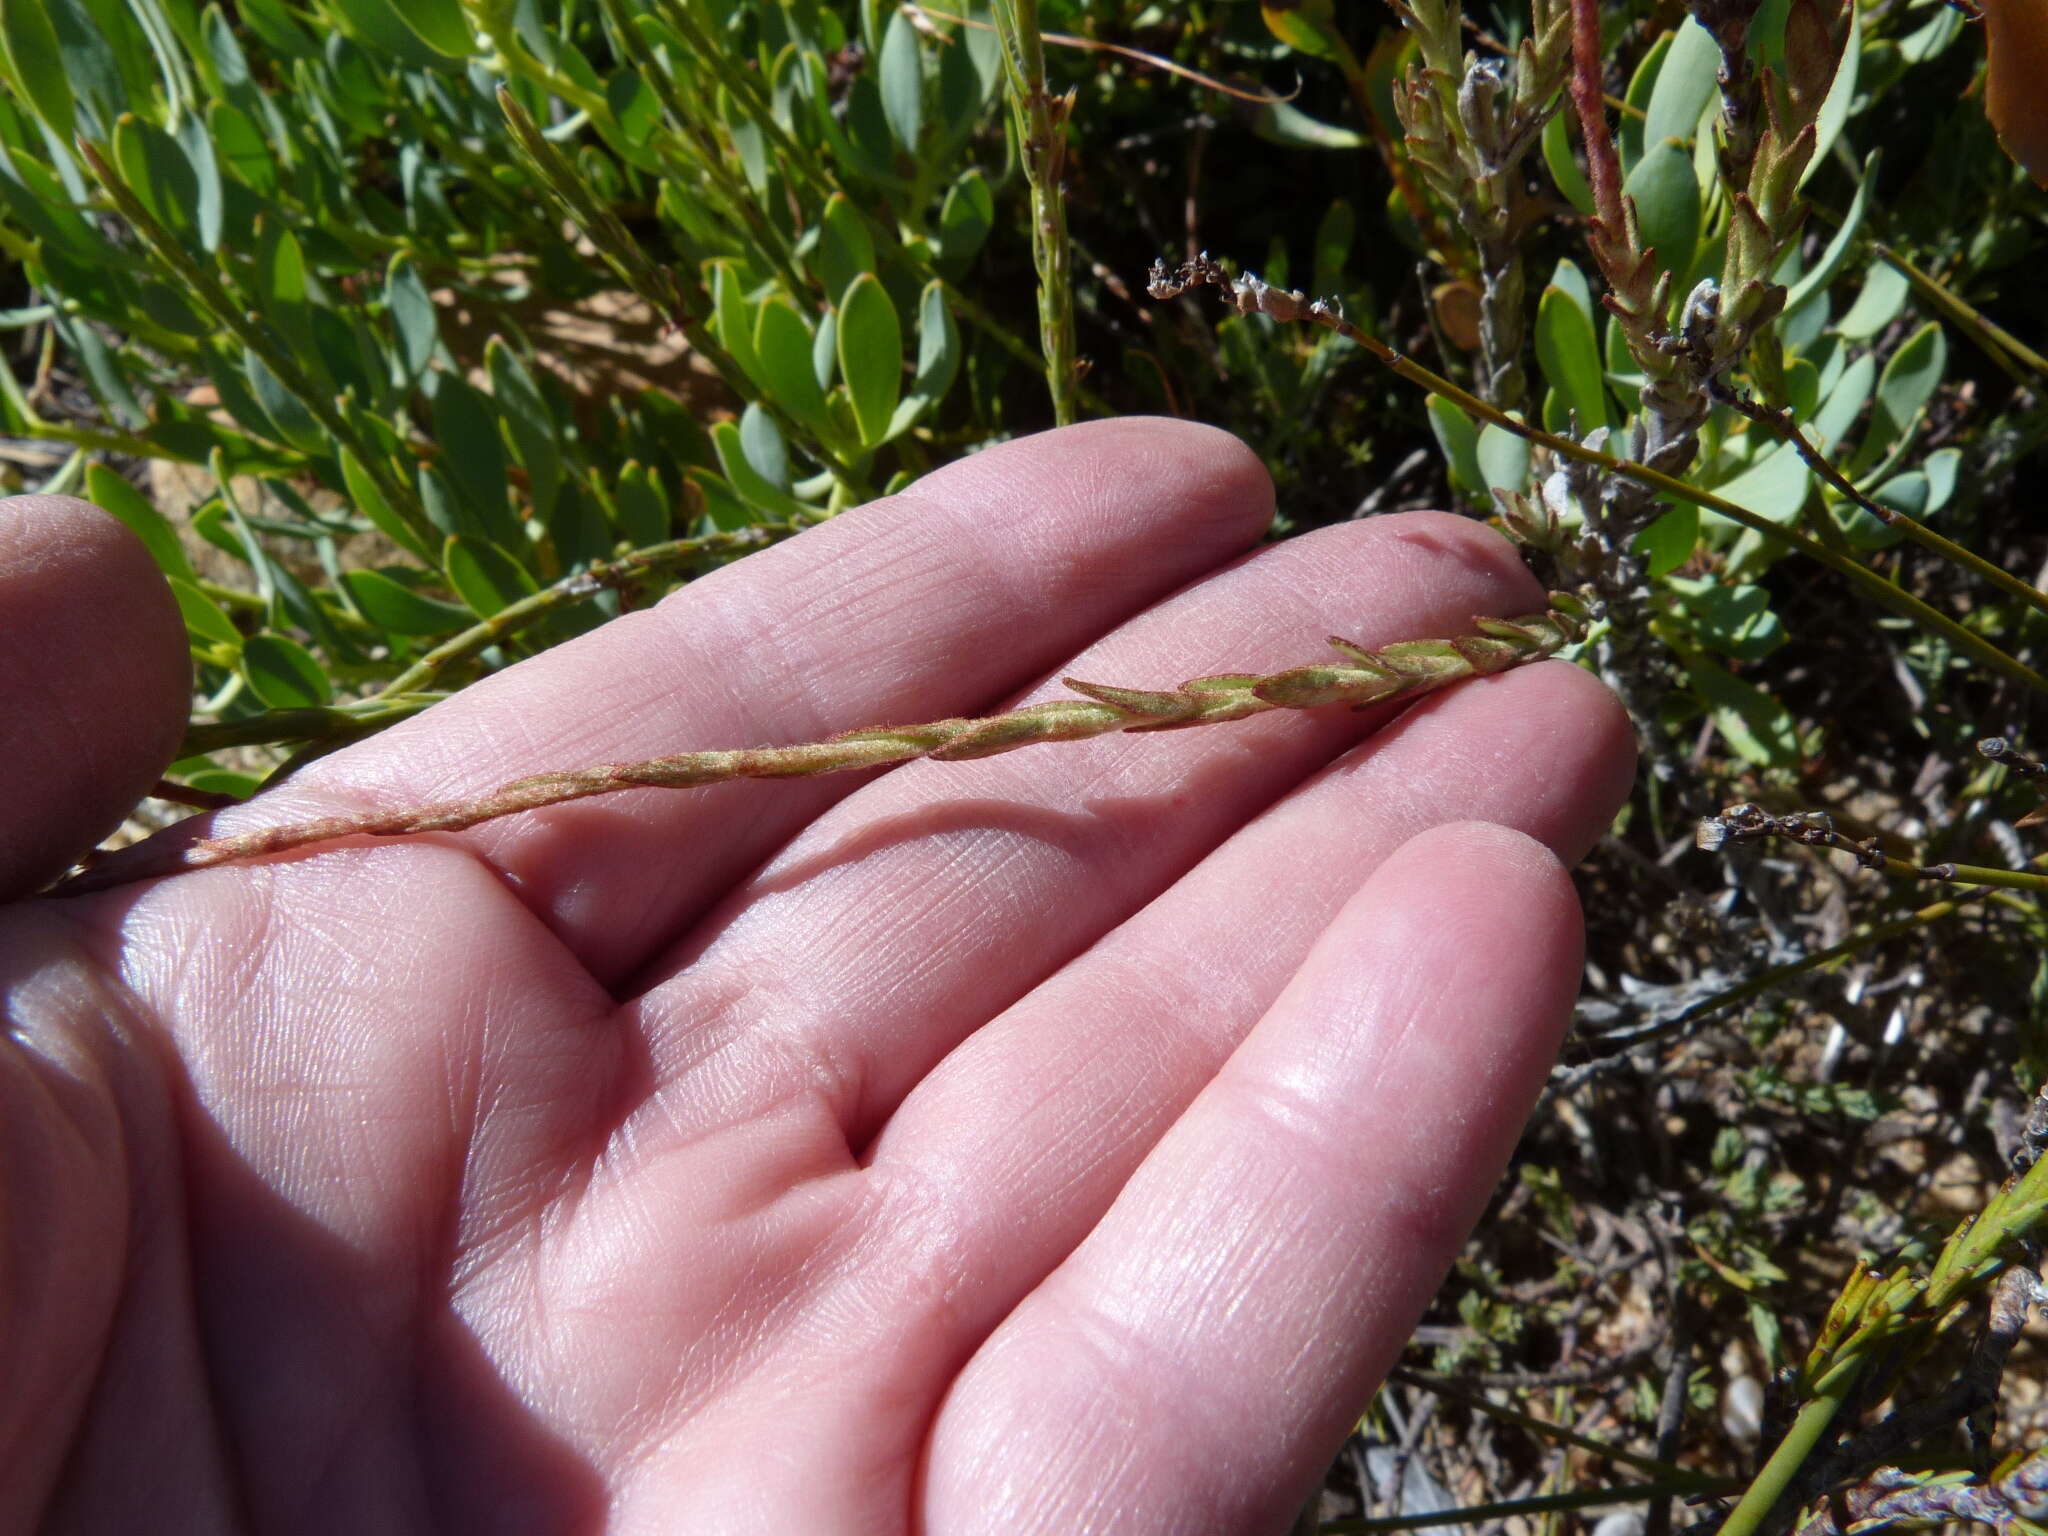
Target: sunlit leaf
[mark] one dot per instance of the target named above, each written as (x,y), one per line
(870,355)
(284,674)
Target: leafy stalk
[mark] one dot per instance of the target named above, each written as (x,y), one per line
(702,146)
(337,723)
(1468,124)
(1876,1315)
(204,286)
(657,284)
(745,87)
(1404,670)
(1041,126)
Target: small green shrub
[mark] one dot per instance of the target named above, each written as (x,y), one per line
(373,232)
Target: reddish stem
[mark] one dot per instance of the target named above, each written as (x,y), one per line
(1589,105)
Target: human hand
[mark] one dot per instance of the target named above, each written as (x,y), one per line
(1060,1141)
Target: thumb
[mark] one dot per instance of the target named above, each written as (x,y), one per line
(95,682)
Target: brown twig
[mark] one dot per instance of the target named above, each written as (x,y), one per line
(1745,822)
(1603,164)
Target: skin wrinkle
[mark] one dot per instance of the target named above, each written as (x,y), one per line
(322,964)
(855,1307)
(723,1359)
(724,1034)
(564,1175)
(930,602)
(1145,1375)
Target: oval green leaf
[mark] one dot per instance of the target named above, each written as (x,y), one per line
(1834,110)
(733,319)
(1667,195)
(1684,85)
(1668,542)
(290,421)
(37,64)
(757,492)
(1503,459)
(1459,440)
(284,674)
(1570,356)
(902,80)
(412,316)
(1909,380)
(1877,305)
(371,503)
(528,422)
(965,219)
(1564,166)
(484,576)
(110,493)
(473,454)
(641,506)
(439,24)
(204,618)
(782,350)
(870,356)
(398,610)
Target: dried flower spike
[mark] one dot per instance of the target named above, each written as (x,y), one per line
(1362,677)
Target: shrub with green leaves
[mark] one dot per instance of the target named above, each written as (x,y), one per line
(339,254)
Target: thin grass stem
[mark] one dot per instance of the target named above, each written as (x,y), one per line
(2004,347)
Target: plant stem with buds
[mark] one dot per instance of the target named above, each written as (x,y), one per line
(1250,296)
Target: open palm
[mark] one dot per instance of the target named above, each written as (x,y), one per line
(1056,1142)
